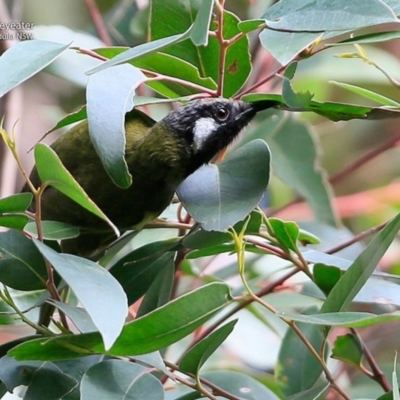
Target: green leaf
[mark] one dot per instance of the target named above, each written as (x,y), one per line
(109,97)
(251,25)
(160,290)
(237,62)
(214,194)
(361,269)
(52,172)
(17,222)
(15,203)
(332,111)
(152,332)
(326,276)
(44,380)
(195,358)
(368,94)
(198,238)
(168,18)
(297,369)
(375,37)
(129,382)
(169,65)
(138,269)
(306,237)
(138,51)
(240,385)
(348,348)
(21,265)
(346,319)
(386,396)
(79,316)
(295,100)
(199,31)
(299,169)
(69,119)
(287,232)
(325,15)
(26,58)
(100,294)
(311,394)
(295,43)
(53,230)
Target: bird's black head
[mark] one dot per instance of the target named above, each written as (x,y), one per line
(209,125)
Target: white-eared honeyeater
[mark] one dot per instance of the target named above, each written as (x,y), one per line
(159,157)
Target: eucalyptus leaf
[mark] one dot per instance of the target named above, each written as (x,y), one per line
(348,349)
(14,221)
(152,332)
(130,382)
(241,385)
(361,269)
(138,51)
(219,195)
(105,302)
(297,370)
(195,358)
(325,15)
(160,290)
(15,203)
(22,267)
(53,230)
(26,58)
(52,172)
(109,97)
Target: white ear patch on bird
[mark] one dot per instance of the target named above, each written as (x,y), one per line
(203,128)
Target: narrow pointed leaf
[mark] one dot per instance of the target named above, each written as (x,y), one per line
(152,332)
(332,111)
(195,358)
(143,49)
(53,230)
(362,268)
(52,172)
(15,203)
(347,319)
(26,58)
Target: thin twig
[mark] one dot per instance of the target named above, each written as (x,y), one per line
(98,22)
(216,389)
(357,238)
(377,374)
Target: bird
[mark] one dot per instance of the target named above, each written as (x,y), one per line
(160,156)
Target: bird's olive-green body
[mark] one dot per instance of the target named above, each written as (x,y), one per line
(159,157)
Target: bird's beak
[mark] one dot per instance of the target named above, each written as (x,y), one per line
(251,109)
(263,105)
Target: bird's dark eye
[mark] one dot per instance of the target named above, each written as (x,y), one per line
(222,113)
